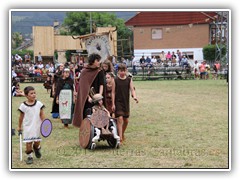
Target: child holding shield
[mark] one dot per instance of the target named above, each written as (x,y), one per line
(31,117)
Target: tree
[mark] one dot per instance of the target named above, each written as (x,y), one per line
(16,39)
(78,23)
(209,52)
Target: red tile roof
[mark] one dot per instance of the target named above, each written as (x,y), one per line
(170,18)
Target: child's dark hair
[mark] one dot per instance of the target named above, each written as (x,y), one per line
(122,67)
(27,89)
(93,57)
(111,74)
(15,83)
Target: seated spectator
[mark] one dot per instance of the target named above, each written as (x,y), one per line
(184,61)
(18,59)
(168,56)
(154,60)
(27,58)
(14,74)
(31,70)
(51,68)
(16,89)
(37,71)
(174,62)
(44,71)
(142,61)
(162,56)
(40,65)
(148,60)
(174,55)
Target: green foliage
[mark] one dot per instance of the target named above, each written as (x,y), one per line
(209,52)
(16,39)
(56,55)
(68,54)
(78,23)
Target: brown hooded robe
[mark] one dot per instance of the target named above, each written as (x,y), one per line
(86,79)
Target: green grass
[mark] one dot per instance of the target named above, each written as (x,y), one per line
(177,124)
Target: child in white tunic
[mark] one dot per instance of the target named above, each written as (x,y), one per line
(31,117)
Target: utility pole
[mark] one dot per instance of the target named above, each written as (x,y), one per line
(90,22)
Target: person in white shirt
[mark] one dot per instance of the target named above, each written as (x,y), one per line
(196,70)
(18,59)
(153,60)
(134,64)
(40,65)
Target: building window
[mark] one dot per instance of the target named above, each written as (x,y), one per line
(156,33)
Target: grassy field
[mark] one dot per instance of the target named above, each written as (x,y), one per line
(177,124)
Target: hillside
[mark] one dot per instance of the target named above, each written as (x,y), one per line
(23,21)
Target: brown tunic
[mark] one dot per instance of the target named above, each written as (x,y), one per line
(109,98)
(122,97)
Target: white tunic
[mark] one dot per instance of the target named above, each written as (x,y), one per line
(31,121)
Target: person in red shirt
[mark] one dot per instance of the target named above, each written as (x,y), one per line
(202,69)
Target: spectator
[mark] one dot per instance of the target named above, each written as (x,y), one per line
(216,68)
(31,70)
(179,57)
(184,61)
(51,68)
(37,71)
(174,55)
(148,60)
(16,89)
(18,59)
(196,70)
(14,74)
(72,71)
(142,61)
(202,69)
(154,60)
(174,61)
(134,64)
(48,65)
(162,56)
(39,57)
(40,65)
(168,56)
(27,58)
(207,69)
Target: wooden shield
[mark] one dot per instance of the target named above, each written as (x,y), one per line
(85,133)
(65,104)
(99,118)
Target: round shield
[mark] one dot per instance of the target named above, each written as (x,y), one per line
(46,128)
(84,133)
(99,118)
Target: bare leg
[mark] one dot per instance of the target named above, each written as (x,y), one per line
(124,127)
(120,126)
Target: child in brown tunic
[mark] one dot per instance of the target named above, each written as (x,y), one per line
(123,84)
(110,94)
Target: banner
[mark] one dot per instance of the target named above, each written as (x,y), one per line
(99,45)
(65,104)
